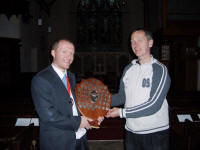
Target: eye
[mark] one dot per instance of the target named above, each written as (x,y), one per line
(63,51)
(71,54)
(133,41)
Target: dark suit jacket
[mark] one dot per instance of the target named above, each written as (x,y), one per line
(54,107)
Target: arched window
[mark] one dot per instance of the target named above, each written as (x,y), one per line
(99,25)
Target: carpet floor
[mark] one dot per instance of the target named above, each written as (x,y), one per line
(106,145)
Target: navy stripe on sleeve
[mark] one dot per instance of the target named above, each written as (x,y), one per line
(159,89)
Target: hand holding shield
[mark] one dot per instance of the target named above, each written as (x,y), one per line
(93,99)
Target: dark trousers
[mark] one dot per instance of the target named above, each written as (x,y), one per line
(82,143)
(152,141)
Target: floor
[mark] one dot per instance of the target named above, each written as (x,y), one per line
(106,145)
(119,145)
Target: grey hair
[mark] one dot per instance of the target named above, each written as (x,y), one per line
(148,34)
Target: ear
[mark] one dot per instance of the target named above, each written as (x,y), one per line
(53,53)
(150,43)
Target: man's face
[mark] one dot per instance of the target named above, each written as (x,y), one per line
(140,45)
(63,55)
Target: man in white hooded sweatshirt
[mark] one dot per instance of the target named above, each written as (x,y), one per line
(143,89)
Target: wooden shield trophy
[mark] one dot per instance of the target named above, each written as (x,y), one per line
(93,99)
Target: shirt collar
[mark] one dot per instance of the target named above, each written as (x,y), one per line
(136,61)
(58,71)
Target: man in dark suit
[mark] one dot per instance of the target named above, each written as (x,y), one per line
(61,126)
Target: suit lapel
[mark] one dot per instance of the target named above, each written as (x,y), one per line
(57,81)
(56,78)
(71,80)
(71,84)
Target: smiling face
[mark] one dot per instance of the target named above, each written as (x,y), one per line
(141,45)
(63,55)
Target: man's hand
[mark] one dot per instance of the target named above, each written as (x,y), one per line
(85,122)
(100,119)
(114,112)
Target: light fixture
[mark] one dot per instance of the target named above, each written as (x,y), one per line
(39,21)
(49,29)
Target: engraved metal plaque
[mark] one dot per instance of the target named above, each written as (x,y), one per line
(93,99)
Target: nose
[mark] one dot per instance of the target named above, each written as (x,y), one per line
(69,57)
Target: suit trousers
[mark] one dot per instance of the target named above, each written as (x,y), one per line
(82,143)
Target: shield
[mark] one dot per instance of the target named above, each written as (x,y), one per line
(93,99)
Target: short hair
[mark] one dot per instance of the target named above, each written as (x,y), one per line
(147,33)
(56,43)
(54,46)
